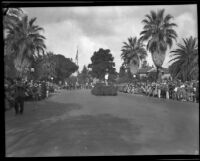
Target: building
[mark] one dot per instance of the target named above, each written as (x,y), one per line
(165,73)
(143,72)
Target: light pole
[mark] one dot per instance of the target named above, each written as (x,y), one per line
(52,80)
(32,71)
(134,76)
(106,77)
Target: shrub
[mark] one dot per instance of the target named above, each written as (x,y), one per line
(100,89)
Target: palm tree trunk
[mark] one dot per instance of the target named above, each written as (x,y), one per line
(158,58)
(158,74)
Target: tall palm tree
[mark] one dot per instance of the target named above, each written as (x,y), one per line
(24,39)
(159,32)
(11,16)
(185,60)
(133,52)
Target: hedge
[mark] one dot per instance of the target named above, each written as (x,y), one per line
(100,89)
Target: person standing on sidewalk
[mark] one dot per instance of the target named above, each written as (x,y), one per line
(159,89)
(19,97)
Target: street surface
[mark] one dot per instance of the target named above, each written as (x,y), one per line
(76,123)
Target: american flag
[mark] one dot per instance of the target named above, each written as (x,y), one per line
(76,58)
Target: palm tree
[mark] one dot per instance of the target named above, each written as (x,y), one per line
(24,40)
(133,52)
(159,32)
(11,16)
(185,60)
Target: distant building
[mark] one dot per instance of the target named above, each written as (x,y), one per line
(165,73)
(143,72)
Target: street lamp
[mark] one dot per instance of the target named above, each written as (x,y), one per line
(134,76)
(52,79)
(106,77)
(32,70)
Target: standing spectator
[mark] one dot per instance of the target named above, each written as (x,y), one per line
(47,93)
(183,92)
(43,90)
(159,90)
(176,88)
(171,88)
(19,97)
(167,91)
(197,92)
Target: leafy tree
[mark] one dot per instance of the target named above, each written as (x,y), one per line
(71,80)
(159,32)
(64,67)
(102,63)
(144,64)
(152,76)
(125,74)
(45,66)
(122,71)
(185,60)
(133,52)
(57,66)
(84,76)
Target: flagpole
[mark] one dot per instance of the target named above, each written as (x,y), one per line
(77,63)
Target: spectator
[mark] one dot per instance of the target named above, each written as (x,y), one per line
(19,97)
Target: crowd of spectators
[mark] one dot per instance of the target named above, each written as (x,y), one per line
(176,90)
(34,90)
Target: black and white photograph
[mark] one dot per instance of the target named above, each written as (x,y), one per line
(111,80)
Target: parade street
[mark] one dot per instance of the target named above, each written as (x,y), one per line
(77,123)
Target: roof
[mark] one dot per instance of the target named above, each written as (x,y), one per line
(144,70)
(165,70)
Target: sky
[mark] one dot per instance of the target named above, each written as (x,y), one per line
(89,28)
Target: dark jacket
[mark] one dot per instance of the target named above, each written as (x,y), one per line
(19,91)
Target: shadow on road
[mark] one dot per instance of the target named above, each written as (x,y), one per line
(50,131)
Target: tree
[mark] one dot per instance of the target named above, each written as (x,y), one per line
(84,76)
(9,68)
(102,63)
(24,41)
(133,53)
(144,64)
(159,32)
(185,60)
(64,67)
(125,74)
(45,66)
(122,71)
(51,65)
(152,77)
(11,16)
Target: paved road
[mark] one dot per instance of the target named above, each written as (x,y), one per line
(78,123)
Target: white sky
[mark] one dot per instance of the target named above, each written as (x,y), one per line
(91,28)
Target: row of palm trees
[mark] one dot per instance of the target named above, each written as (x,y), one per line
(159,33)
(24,43)
(22,39)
